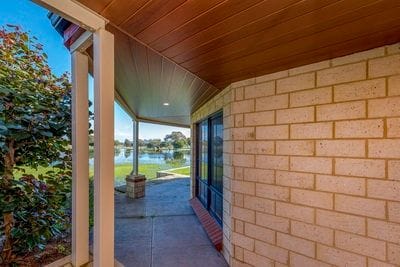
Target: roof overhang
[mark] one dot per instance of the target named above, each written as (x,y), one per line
(185,52)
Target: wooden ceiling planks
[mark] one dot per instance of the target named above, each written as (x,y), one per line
(231,25)
(363,43)
(119,11)
(151,12)
(208,19)
(336,35)
(223,41)
(179,16)
(311,37)
(220,36)
(293,27)
(96,5)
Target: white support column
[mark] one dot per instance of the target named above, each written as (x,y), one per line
(135,146)
(80,160)
(103,62)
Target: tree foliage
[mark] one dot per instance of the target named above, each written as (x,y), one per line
(177,139)
(128,143)
(35,127)
(35,117)
(117,143)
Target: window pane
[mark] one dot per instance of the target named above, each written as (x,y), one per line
(217,152)
(203,153)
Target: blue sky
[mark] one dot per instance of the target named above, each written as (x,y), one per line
(33,19)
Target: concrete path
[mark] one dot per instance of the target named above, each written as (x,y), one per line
(161,229)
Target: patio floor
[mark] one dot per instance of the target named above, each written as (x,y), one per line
(161,229)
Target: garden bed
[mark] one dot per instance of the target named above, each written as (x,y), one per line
(54,250)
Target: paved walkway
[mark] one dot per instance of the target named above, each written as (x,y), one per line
(161,229)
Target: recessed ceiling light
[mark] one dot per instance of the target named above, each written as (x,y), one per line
(166,104)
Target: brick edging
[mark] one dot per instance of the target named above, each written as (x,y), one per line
(212,228)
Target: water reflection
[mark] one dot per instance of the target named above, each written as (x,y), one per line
(167,159)
(127,153)
(117,151)
(176,158)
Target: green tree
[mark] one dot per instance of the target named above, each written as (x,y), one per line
(128,143)
(177,139)
(117,143)
(141,143)
(35,127)
(149,145)
(164,144)
(189,141)
(155,142)
(91,140)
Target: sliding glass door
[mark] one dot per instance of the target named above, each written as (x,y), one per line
(210,164)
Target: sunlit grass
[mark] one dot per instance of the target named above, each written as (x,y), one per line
(149,170)
(182,171)
(121,171)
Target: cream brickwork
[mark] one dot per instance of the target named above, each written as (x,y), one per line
(312,163)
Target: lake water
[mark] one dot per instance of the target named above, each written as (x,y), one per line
(167,159)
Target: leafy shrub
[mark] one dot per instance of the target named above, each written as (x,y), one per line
(41,210)
(35,129)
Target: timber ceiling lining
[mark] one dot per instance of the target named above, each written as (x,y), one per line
(223,41)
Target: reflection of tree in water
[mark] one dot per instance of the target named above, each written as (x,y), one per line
(175,159)
(117,151)
(127,153)
(177,155)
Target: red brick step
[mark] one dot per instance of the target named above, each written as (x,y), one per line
(212,228)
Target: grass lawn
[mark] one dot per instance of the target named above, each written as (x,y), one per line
(121,171)
(149,170)
(183,171)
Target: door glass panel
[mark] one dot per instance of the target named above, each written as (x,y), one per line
(202,192)
(203,151)
(202,176)
(210,165)
(217,152)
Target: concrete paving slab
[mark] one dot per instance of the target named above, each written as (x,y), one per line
(178,231)
(133,229)
(161,230)
(193,256)
(135,253)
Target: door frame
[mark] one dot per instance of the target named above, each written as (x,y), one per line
(209,167)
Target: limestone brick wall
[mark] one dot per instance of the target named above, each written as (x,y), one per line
(312,163)
(222,101)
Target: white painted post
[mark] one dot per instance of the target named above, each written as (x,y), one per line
(103,64)
(135,146)
(80,160)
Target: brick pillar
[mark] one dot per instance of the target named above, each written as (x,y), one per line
(135,185)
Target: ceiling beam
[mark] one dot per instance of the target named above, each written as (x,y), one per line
(75,12)
(82,43)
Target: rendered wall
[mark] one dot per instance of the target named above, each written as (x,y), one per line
(312,164)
